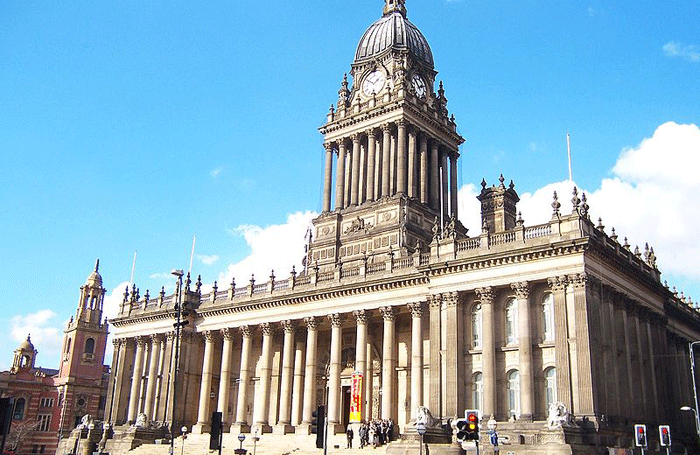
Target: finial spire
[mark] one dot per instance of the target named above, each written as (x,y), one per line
(395,5)
(97,265)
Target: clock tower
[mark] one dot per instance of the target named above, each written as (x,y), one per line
(395,149)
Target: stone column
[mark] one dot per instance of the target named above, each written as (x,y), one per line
(402,175)
(361,354)
(453,184)
(416,357)
(334,382)
(149,407)
(284,424)
(116,381)
(388,364)
(424,169)
(455,399)
(435,367)
(354,189)
(488,350)
(202,425)
(157,407)
(135,393)
(371,156)
(435,175)
(611,335)
(244,379)
(262,402)
(225,380)
(527,389)
(412,164)
(652,353)
(340,176)
(309,376)
(328,178)
(298,382)
(386,160)
(445,187)
(561,341)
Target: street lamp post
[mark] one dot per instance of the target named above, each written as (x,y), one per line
(240,450)
(695,389)
(183,430)
(178,314)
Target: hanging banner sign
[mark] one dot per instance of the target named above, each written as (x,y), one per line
(356,397)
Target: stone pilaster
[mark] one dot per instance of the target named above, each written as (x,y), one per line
(262,399)
(241,424)
(334,379)
(454,356)
(435,367)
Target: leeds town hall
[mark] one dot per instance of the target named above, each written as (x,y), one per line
(561,335)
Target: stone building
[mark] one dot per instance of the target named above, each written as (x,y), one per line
(49,403)
(508,321)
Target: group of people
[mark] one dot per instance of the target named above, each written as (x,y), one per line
(374,433)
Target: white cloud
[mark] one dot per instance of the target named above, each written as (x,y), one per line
(675,49)
(46,335)
(207,259)
(591,11)
(160,276)
(651,197)
(275,247)
(215,172)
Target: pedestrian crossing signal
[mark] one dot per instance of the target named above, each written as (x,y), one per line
(665,435)
(640,435)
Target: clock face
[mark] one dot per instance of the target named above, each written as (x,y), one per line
(373,83)
(418,85)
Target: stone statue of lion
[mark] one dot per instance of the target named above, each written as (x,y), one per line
(426,418)
(559,416)
(141,421)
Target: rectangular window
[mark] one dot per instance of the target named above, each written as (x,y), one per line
(46,403)
(44,422)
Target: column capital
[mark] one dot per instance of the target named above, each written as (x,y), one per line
(288,326)
(388,313)
(372,132)
(557,283)
(522,289)
(336,320)
(266,329)
(140,340)
(386,127)
(227,333)
(246,331)
(328,146)
(360,316)
(156,338)
(416,309)
(579,280)
(356,137)
(485,295)
(208,336)
(435,300)
(118,342)
(401,123)
(311,323)
(451,298)
(170,336)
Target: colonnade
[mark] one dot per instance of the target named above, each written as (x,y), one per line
(396,158)
(605,349)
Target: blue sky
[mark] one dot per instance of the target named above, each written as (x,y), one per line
(131,126)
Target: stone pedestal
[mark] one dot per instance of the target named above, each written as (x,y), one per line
(238,428)
(261,428)
(201,428)
(282,428)
(304,429)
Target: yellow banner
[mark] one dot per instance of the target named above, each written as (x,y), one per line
(356,397)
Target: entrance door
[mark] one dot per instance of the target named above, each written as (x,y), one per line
(346,406)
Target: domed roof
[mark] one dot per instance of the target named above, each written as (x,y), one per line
(26,345)
(95,279)
(393,30)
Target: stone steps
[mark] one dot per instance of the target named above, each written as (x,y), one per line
(267,445)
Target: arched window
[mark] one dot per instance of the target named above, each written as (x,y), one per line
(548,318)
(550,386)
(476,326)
(90,346)
(18,412)
(512,322)
(68,346)
(478,391)
(514,394)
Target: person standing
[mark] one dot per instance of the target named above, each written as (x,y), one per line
(349,434)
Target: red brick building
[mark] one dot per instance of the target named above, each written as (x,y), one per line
(49,403)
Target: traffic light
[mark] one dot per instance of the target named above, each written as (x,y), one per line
(462,429)
(317,420)
(665,435)
(472,425)
(640,435)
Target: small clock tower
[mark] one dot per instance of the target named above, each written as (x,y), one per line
(395,149)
